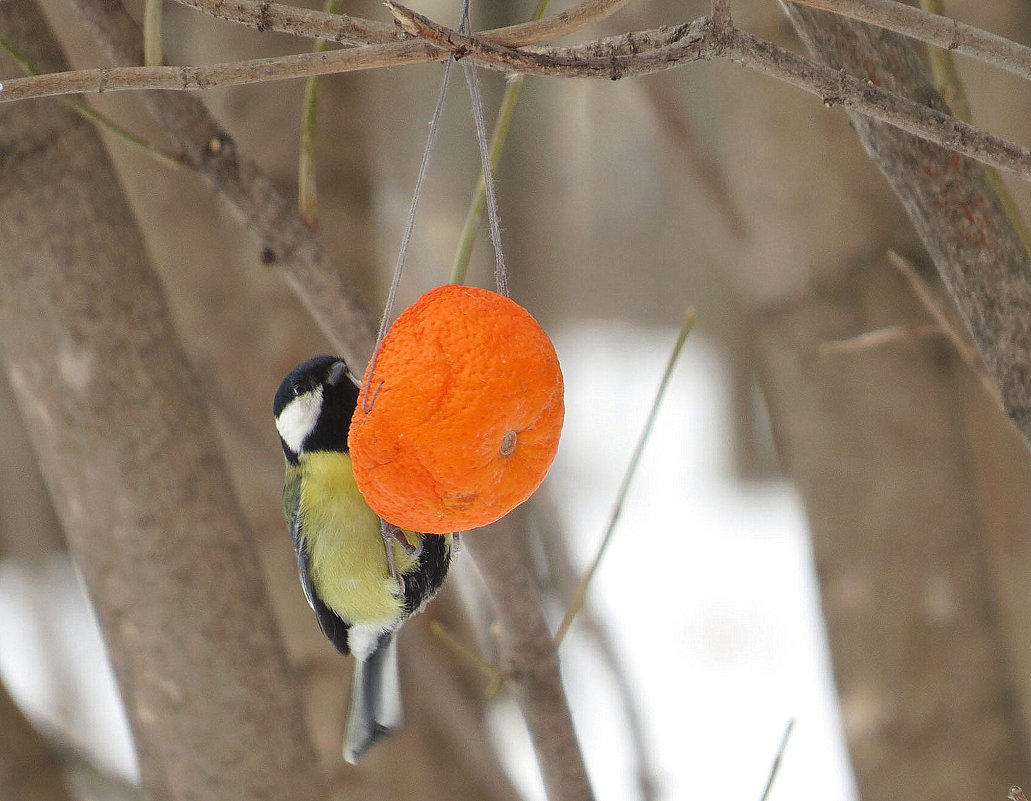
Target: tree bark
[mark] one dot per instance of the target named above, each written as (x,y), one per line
(956,213)
(119,423)
(528,655)
(878,447)
(30,770)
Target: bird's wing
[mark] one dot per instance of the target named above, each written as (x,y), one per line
(331,624)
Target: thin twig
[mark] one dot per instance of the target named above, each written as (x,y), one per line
(266,16)
(721,20)
(630,54)
(881,337)
(946,77)
(495,677)
(617,507)
(637,53)
(956,334)
(839,88)
(85,110)
(775,767)
(944,32)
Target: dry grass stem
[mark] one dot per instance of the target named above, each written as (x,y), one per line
(958,336)
(880,338)
(580,597)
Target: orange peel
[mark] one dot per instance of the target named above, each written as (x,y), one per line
(461,416)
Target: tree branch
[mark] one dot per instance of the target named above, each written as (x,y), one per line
(265,16)
(946,33)
(303,22)
(721,19)
(285,240)
(959,218)
(528,654)
(638,53)
(865,97)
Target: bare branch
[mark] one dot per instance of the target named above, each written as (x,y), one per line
(837,87)
(637,53)
(721,20)
(946,33)
(265,16)
(881,337)
(238,73)
(954,331)
(630,54)
(981,260)
(285,239)
(529,655)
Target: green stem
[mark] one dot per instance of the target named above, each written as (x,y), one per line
(496,680)
(152,33)
(474,216)
(86,111)
(307,191)
(617,508)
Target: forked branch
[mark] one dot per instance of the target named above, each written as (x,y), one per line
(637,53)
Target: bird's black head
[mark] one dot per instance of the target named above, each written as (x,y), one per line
(314,405)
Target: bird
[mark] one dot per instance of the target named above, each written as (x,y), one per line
(362,576)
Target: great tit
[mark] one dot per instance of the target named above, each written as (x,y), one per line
(361,576)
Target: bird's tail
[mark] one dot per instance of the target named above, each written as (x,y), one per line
(375,708)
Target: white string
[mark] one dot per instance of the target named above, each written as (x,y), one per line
(406,238)
(500,275)
(493,218)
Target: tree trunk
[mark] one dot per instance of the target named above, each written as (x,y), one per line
(120,426)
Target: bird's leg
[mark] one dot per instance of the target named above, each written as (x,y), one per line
(402,540)
(390,534)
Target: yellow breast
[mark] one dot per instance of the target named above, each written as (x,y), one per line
(345,548)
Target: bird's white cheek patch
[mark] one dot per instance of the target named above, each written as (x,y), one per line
(297,420)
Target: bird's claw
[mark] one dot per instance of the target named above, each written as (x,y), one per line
(392,534)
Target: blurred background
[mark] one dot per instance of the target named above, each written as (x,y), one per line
(838,538)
